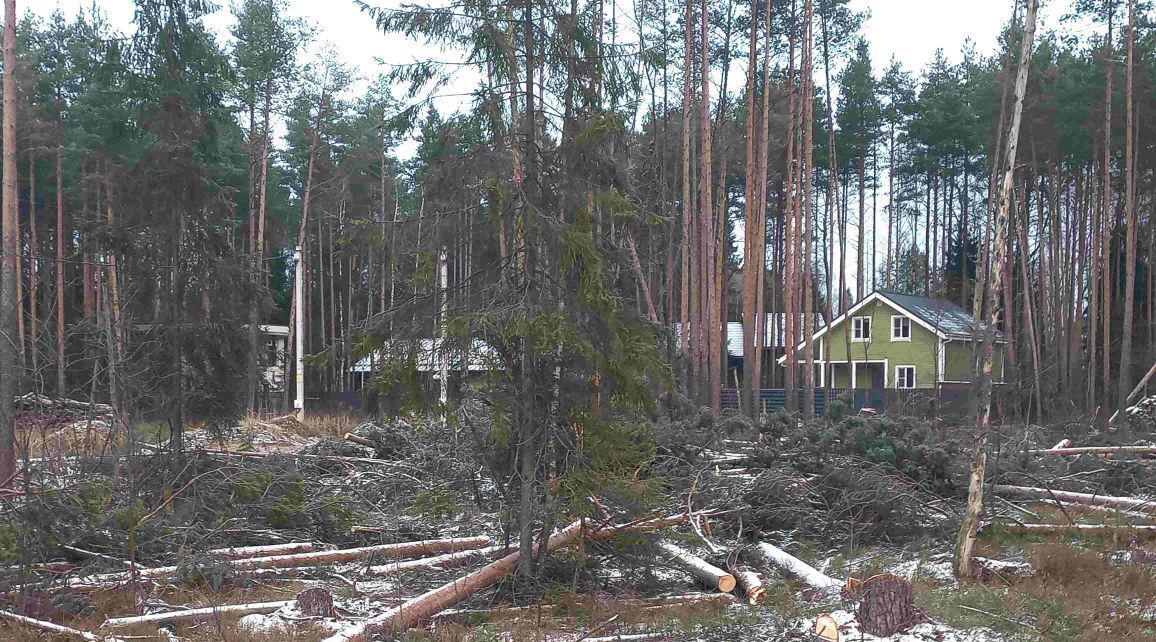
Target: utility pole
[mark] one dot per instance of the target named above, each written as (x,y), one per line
(299,333)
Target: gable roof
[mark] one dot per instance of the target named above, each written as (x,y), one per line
(945,317)
(941,317)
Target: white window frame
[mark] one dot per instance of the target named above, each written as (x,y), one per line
(857,327)
(899,378)
(905,318)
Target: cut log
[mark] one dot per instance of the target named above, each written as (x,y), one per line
(797,568)
(316,558)
(1097,450)
(244,552)
(751,584)
(359,440)
(709,574)
(206,613)
(1063,443)
(1126,503)
(56,628)
(457,558)
(409,613)
(1079,529)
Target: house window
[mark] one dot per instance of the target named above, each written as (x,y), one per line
(900,328)
(905,377)
(861,329)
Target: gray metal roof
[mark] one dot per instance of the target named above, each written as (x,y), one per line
(942,314)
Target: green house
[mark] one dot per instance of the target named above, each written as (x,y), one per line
(897,341)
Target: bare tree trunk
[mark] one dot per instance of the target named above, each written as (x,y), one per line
(707,247)
(1105,216)
(60,364)
(750,243)
(808,213)
(790,245)
(965,541)
(687,207)
(33,268)
(11,246)
(1125,378)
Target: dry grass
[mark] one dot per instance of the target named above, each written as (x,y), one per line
(119,603)
(320,425)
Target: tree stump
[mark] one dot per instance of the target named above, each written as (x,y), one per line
(315,602)
(886,607)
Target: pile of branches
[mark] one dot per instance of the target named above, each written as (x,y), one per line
(853,501)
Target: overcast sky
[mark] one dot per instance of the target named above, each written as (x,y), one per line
(911,30)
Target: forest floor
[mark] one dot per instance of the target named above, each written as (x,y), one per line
(853,496)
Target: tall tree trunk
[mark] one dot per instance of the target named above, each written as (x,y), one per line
(808,214)
(790,245)
(1106,217)
(60,364)
(33,269)
(11,247)
(750,259)
(965,541)
(707,247)
(685,342)
(1125,378)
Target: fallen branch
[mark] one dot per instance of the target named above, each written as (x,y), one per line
(241,454)
(197,614)
(710,575)
(409,613)
(1096,450)
(1127,503)
(55,628)
(797,568)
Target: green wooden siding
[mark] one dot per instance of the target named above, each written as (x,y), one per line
(920,351)
(959,367)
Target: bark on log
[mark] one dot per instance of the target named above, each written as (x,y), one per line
(1127,503)
(358,440)
(751,584)
(404,616)
(56,628)
(710,575)
(1079,529)
(316,558)
(457,558)
(797,568)
(1096,450)
(208,612)
(886,606)
(244,552)
(315,602)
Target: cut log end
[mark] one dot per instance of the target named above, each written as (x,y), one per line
(727,583)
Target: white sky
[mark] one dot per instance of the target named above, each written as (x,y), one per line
(909,30)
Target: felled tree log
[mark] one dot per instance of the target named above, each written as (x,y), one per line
(56,628)
(208,612)
(358,440)
(709,574)
(1079,529)
(409,613)
(1127,503)
(456,558)
(751,584)
(316,558)
(1096,450)
(315,602)
(797,568)
(244,552)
